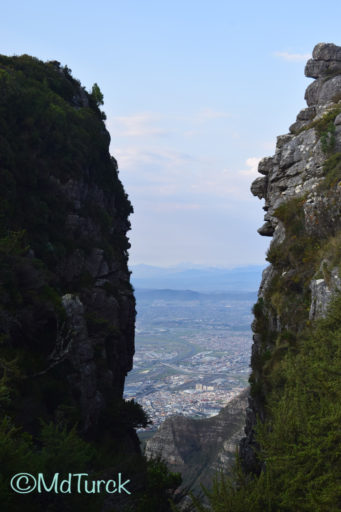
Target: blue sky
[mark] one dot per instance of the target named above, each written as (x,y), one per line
(195,94)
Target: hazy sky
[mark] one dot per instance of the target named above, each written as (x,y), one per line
(195,94)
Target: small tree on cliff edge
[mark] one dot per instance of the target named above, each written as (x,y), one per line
(97,94)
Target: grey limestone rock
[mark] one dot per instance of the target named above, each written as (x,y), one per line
(326,60)
(296,171)
(337,121)
(314,68)
(295,167)
(322,291)
(258,187)
(320,68)
(325,67)
(306,114)
(304,117)
(265,165)
(329,90)
(327,51)
(267,229)
(297,126)
(311,94)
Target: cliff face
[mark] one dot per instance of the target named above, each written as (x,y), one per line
(198,448)
(67,307)
(301,188)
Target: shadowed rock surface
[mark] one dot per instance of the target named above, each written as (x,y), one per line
(65,209)
(67,309)
(198,448)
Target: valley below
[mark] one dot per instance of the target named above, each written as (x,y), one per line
(192,352)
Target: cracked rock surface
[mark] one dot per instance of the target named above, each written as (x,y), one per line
(299,175)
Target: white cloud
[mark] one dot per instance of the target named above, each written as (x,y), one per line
(293,57)
(252,164)
(207,114)
(156,163)
(160,175)
(153,124)
(171,206)
(137,125)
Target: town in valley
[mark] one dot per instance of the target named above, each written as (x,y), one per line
(192,352)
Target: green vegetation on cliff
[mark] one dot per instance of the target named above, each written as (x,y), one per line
(290,458)
(50,126)
(299,444)
(296,373)
(63,244)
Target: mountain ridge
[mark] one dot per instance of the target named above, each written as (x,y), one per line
(210,279)
(199,448)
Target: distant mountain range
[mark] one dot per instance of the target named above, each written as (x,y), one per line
(197,278)
(148,295)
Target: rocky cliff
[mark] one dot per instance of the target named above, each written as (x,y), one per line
(290,457)
(301,188)
(64,216)
(199,448)
(67,309)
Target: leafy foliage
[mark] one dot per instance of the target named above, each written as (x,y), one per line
(300,440)
(296,375)
(58,450)
(332,171)
(97,94)
(160,486)
(51,131)
(296,260)
(328,138)
(322,124)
